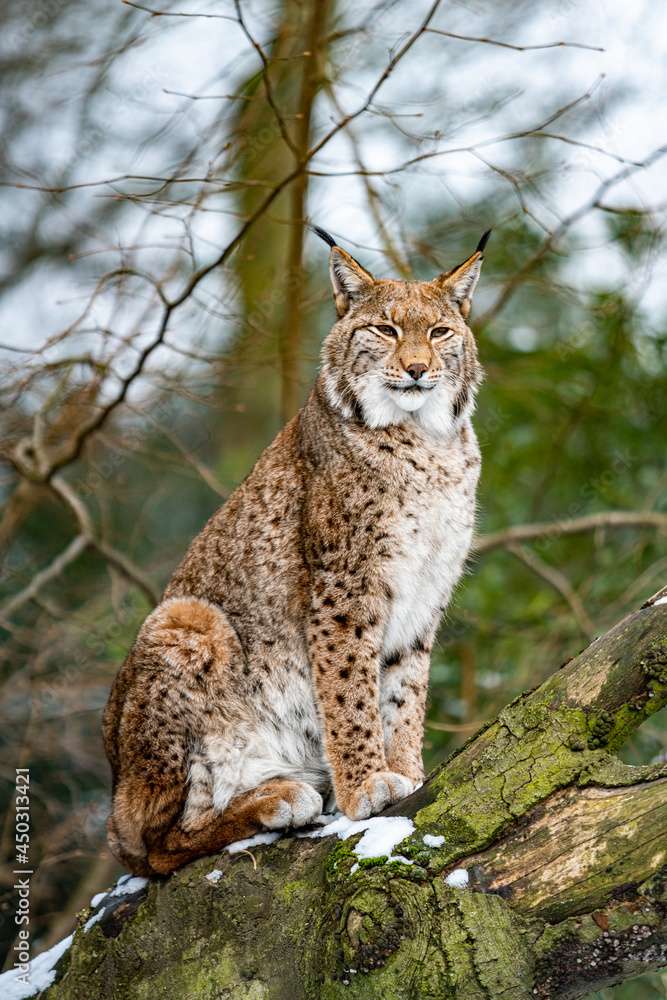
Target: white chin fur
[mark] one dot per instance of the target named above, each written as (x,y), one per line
(431,410)
(410,401)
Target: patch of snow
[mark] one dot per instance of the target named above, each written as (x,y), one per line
(661,600)
(41,974)
(432,841)
(381,834)
(458,879)
(259,838)
(214,876)
(94,919)
(128,884)
(125,885)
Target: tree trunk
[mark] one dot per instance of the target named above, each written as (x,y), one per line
(291,348)
(565,848)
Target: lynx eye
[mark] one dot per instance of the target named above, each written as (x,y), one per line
(386,331)
(441,332)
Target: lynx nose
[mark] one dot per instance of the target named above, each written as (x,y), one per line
(416,371)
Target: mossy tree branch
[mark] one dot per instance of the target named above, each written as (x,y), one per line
(565,849)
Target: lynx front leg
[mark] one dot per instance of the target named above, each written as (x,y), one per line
(403,690)
(344,654)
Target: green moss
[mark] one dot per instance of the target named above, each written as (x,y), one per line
(654,662)
(520,760)
(204,978)
(600,725)
(416,851)
(290,892)
(431,981)
(612,729)
(339,859)
(456,830)
(384,934)
(371,862)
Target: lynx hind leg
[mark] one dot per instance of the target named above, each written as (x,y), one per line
(180,649)
(277,804)
(140,811)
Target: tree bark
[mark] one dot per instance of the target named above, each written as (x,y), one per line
(565,849)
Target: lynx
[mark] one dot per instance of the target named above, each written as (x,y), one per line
(286,667)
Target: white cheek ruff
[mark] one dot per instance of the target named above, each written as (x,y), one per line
(378,404)
(437,415)
(382,406)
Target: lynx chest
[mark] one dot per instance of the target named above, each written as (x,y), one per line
(431,531)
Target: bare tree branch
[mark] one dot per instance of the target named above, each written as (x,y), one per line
(614,519)
(549,243)
(122,562)
(266,80)
(559,581)
(78,440)
(76,547)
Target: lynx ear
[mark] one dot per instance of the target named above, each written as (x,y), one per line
(348,278)
(460,282)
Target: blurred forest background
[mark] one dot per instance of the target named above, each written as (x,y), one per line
(162,304)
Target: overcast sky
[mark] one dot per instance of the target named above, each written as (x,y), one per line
(187,56)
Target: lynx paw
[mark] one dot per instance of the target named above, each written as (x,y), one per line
(290,804)
(377,792)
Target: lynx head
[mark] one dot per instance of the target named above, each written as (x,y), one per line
(401,350)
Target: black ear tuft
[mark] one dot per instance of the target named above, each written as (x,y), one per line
(484,240)
(323,235)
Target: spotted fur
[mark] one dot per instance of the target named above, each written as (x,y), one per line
(287,664)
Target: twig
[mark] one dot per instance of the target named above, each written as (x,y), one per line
(176,13)
(75,548)
(244,850)
(456,727)
(524,133)
(575,526)
(266,80)
(122,562)
(372,196)
(659,596)
(515,48)
(519,276)
(128,568)
(559,581)
(200,467)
